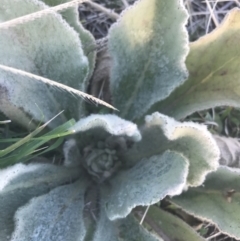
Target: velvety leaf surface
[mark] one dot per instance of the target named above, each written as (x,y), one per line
(57,215)
(111,124)
(47,47)
(193,140)
(146,183)
(105,229)
(20,183)
(169,227)
(213,65)
(71,152)
(148,46)
(218,201)
(87,39)
(130,230)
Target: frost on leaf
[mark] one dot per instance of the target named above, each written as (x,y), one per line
(57,215)
(111,124)
(88,42)
(47,47)
(146,183)
(213,65)
(20,183)
(148,46)
(105,229)
(161,133)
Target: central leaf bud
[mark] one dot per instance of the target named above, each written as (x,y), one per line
(101,160)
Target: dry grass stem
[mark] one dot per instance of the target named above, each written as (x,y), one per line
(125,3)
(107,11)
(144,215)
(214,236)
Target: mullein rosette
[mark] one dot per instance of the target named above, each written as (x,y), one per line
(111,165)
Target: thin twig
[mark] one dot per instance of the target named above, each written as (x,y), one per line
(144,215)
(215,12)
(237,2)
(101,90)
(224,238)
(212,15)
(5,122)
(107,11)
(207,13)
(125,3)
(214,236)
(213,1)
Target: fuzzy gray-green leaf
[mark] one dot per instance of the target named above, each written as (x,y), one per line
(105,229)
(146,183)
(148,46)
(111,124)
(47,47)
(71,15)
(57,215)
(20,183)
(218,201)
(213,65)
(169,226)
(193,140)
